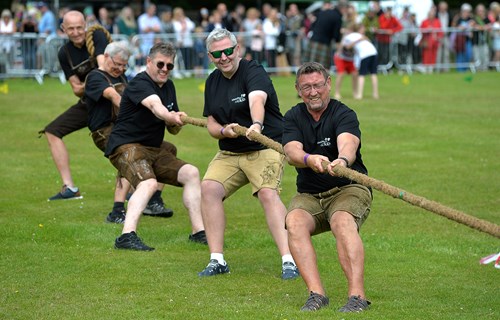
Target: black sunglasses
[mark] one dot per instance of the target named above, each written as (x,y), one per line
(161,64)
(228,51)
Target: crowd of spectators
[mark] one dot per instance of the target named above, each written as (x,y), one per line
(279,39)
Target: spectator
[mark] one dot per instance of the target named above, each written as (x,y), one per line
(203,18)
(183,28)
(240,92)
(389,25)
(167,24)
(126,23)
(249,28)
(443,54)
(462,39)
(137,149)
(104,19)
(46,51)
(7,30)
(294,22)
(370,21)
(322,130)
(431,34)
(413,36)
(402,38)
(325,29)
(495,33)
(227,20)
(215,21)
(480,45)
(257,44)
(149,26)
(271,26)
(29,25)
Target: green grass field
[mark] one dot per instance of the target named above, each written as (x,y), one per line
(437,137)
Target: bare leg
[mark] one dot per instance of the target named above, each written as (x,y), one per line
(300,225)
(60,156)
(361,86)
(189,177)
(214,219)
(275,212)
(137,203)
(338,85)
(350,250)
(375,86)
(355,84)
(121,190)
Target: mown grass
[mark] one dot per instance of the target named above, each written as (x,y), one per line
(437,137)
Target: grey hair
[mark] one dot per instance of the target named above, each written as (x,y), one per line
(219,34)
(164,48)
(311,67)
(118,48)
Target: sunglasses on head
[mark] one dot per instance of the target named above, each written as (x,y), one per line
(160,65)
(228,51)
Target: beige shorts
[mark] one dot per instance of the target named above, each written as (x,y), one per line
(353,198)
(262,169)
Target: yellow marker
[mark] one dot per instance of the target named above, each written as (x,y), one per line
(406,80)
(201,87)
(4,88)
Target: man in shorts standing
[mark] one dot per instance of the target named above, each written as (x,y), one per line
(240,92)
(317,131)
(76,62)
(136,147)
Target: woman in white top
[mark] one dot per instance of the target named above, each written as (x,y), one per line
(183,28)
(7,29)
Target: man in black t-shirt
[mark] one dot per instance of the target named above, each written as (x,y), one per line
(103,88)
(76,63)
(240,92)
(136,147)
(317,131)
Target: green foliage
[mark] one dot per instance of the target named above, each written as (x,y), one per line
(437,137)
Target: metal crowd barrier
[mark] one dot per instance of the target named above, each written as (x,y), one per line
(32,55)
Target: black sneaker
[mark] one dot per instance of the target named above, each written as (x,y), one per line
(355,304)
(289,271)
(66,194)
(131,241)
(315,302)
(156,208)
(214,268)
(199,237)
(116,216)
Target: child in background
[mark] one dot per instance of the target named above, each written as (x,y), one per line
(365,58)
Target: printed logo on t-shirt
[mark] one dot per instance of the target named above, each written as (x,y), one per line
(170,106)
(325,142)
(242,98)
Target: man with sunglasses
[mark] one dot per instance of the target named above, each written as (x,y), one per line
(319,131)
(136,147)
(240,92)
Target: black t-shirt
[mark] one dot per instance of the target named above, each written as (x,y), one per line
(100,109)
(321,138)
(227,101)
(327,26)
(79,55)
(135,122)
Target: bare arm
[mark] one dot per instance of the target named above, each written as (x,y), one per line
(171,118)
(77,86)
(347,144)
(257,100)
(297,157)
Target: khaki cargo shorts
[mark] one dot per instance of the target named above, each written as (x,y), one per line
(353,198)
(262,169)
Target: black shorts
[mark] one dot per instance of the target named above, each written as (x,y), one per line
(71,120)
(368,65)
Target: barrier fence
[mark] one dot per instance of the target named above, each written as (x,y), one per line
(411,50)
